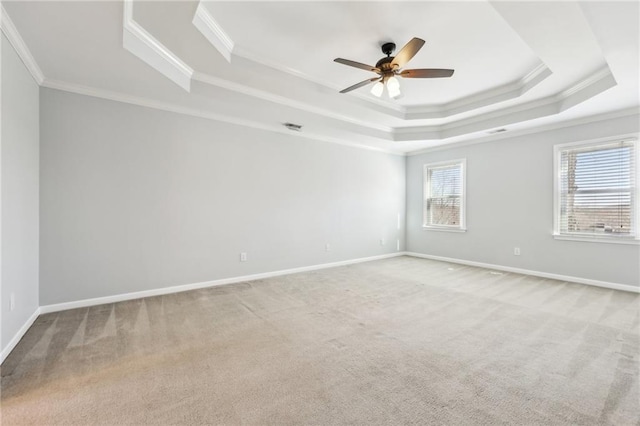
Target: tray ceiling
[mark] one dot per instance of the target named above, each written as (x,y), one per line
(518,64)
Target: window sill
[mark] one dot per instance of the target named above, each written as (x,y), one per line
(594,239)
(443,229)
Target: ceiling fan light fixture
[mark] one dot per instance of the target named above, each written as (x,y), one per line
(389,67)
(377,89)
(393,87)
(393,83)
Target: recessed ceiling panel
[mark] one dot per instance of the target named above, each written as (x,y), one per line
(470,37)
(515,62)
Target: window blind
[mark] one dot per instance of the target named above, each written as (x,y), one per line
(598,189)
(443,198)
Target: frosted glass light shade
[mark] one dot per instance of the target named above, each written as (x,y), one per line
(377,89)
(393,87)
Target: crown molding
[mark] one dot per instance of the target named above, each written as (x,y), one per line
(213,32)
(586,88)
(492,96)
(14,37)
(284,101)
(395,110)
(626,112)
(435,132)
(143,45)
(217,36)
(146,47)
(593,84)
(168,107)
(222,42)
(163,106)
(418,112)
(591,79)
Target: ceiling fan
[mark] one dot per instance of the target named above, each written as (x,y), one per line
(391,66)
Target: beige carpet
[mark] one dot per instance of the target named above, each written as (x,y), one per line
(396,341)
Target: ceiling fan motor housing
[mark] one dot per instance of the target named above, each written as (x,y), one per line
(384,64)
(388,48)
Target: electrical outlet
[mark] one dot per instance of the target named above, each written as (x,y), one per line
(382,241)
(12,301)
(243,257)
(516,251)
(398,245)
(327,247)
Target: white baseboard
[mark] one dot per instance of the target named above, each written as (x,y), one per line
(604,284)
(12,344)
(186,287)
(174,289)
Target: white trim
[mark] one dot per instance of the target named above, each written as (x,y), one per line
(170,107)
(579,91)
(586,88)
(462,226)
(488,97)
(586,82)
(186,287)
(285,101)
(519,113)
(19,334)
(596,239)
(12,34)
(220,39)
(557,149)
(177,289)
(631,137)
(530,131)
(556,189)
(442,228)
(377,104)
(534,76)
(587,281)
(213,32)
(138,41)
(143,45)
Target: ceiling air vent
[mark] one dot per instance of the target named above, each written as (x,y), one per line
(493,132)
(294,127)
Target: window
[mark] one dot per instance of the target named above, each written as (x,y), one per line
(444,187)
(596,191)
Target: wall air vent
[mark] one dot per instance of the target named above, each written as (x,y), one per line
(294,127)
(493,132)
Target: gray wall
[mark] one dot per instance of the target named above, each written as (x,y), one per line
(19,190)
(510,204)
(135,199)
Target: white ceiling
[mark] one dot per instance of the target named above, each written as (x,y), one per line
(307,36)
(518,64)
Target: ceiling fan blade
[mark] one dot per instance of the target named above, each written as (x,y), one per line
(358,85)
(407,52)
(356,64)
(426,73)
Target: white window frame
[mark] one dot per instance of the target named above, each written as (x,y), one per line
(635,214)
(461,227)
